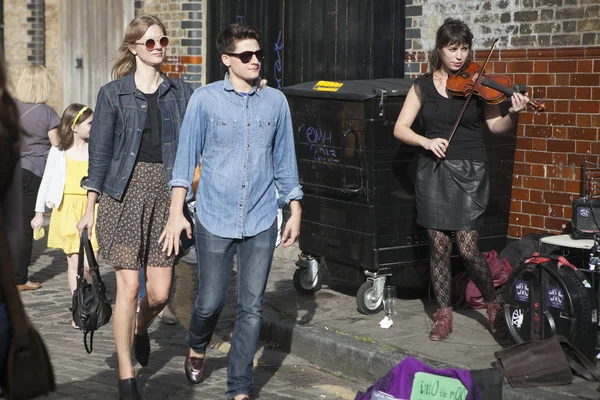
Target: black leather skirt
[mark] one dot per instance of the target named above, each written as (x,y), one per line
(454,196)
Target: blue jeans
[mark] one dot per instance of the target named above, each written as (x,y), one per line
(215,259)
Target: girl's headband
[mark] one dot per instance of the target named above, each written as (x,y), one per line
(79,114)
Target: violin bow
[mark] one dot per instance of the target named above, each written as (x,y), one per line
(467,100)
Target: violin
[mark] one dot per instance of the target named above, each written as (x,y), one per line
(492,88)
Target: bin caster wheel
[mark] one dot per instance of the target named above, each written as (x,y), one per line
(366,303)
(302,281)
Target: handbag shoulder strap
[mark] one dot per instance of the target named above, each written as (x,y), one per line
(85,250)
(28,111)
(579,363)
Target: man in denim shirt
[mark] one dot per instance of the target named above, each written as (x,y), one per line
(245,139)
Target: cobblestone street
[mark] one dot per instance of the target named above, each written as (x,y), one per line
(94,376)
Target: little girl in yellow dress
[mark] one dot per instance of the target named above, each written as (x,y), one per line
(60,188)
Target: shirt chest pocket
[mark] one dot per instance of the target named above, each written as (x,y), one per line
(265,133)
(222,133)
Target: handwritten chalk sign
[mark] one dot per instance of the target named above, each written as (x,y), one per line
(327,86)
(434,387)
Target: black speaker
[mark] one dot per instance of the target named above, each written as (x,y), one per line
(543,300)
(586,218)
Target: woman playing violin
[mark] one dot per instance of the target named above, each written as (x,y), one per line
(453,197)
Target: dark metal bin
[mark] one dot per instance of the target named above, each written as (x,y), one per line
(359,213)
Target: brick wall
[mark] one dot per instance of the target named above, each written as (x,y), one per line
(552,47)
(184,23)
(15,37)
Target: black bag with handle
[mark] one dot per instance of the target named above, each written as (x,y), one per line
(90,307)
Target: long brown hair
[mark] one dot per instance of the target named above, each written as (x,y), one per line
(10,133)
(65,133)
(125,61)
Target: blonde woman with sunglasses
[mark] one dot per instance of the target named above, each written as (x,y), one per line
(132,152)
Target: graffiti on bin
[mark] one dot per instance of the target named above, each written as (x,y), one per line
(277,66)
(321,141)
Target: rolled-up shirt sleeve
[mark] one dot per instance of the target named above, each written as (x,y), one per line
(101,143)
(284,159)
(191,143)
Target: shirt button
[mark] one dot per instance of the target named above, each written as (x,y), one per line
(132,154)
(248,145)
(143,106)
(138,129)
(248,124)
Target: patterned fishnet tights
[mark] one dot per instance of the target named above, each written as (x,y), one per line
(440,247)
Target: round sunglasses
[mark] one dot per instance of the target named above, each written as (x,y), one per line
(151,43)
(246,56)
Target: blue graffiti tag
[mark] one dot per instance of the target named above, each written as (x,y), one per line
(277,67)
(240,18)
(320,145)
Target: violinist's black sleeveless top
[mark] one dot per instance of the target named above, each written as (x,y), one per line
(439,115)
(455,195)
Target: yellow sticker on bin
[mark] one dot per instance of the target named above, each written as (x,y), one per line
(435,387)
(327,86)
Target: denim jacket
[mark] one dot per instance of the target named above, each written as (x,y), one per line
(247,149)
(116,133)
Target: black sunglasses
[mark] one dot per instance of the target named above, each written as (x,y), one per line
(151,43)
(246,56)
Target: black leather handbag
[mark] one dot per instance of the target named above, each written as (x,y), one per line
(90,307)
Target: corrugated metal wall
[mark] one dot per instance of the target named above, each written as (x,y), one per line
(316,39)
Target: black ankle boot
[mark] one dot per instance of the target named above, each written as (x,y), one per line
(128,389)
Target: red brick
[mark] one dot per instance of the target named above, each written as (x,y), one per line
(520,66)
(534,208)
(525,118)
(561,106)
(573,187)
(555,212)
(541,54)
(514,232)
(526,231)
(536,183)
(538,92)
(584,120)
(571,53)
(515,206)
(539,131)
(584,80)
(524,143)
(568,212)
(584,93)
(536,196)
(562,80)
(538,170)
(537,221)
(539,144)
(577,159)
(557,185)
(582,133)
(559,132)
(595,148)
(561,119)
(499,67)
(585,66)
(596,93)
(540,118)
(520,219)
(519,155)
(596,65)
(191,60)
(517,181)
(559,158)
(583,147)
(541,79)
(556,224)
(587,107)
(596,120)
(540,66)
(521,79)
(562,66)
(560,93)
(564,146)
(518,194)
(522,169)
(557,198)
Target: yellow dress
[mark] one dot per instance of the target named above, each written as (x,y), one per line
(63,221)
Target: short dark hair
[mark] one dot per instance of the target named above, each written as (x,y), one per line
(229,36)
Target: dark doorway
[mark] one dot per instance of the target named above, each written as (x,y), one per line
(309,40)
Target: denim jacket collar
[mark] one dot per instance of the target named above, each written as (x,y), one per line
(229,87)
(128,84)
